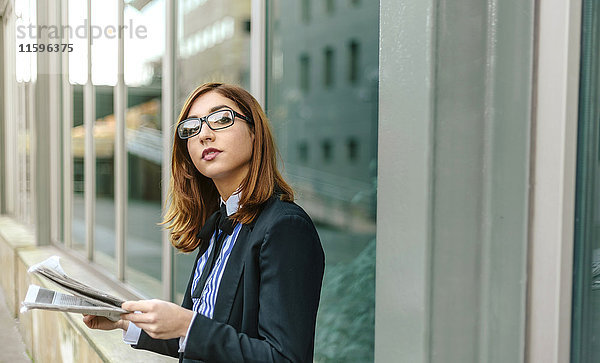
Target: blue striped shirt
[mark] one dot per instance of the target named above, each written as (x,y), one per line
(205,304)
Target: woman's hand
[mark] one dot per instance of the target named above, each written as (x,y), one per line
(102,323)
(160,319)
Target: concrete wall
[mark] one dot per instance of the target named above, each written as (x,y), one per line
(455,111)
(55,336)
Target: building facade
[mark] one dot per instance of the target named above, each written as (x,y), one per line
(447,152)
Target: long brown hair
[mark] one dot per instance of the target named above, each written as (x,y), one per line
(193,197)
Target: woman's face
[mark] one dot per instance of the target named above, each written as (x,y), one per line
(230,162)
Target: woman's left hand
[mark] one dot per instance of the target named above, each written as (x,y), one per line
(160,319)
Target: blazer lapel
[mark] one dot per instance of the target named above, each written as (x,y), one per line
(231,275)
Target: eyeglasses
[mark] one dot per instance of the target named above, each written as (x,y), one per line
(216,121)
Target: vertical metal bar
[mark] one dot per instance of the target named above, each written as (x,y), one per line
(37,107)
(90,157)
(120,153)
(22,163)
(34,105)
(11,95)
(39,145)
(27,159)
(168,101)
(410,341)
(554,162)
(258,50)
(54,120)
(8,114)
(67,126)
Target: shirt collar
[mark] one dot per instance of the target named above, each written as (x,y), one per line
(232,203)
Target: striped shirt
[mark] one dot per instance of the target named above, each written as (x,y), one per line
(205,304)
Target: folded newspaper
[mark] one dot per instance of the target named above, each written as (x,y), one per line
(85,299)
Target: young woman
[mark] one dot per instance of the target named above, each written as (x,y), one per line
(254,289)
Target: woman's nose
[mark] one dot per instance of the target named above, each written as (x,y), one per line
(206,133)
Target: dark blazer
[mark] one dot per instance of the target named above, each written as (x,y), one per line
(268,297)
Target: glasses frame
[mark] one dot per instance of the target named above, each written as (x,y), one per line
(205,120)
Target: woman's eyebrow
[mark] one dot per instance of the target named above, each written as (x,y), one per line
(211,110)
(215,108)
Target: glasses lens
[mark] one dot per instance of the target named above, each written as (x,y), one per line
(188,128)
(220,119)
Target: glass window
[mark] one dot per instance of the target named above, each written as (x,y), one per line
(104,77)
(303,152)
(329,75)
(585,346)
(339,196)
(78,152)
(216,49)
(327,150)
(352,149)
(305,10)
(104,140)
(26,139)
(329,6)
(25,72)
(59,200)
(304,72)
(143,134)
(353,61)
(78,63)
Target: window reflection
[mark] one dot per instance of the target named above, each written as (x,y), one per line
(329,6)
(304,72)
(305,11)
(78,152)
(78,65)
(326,146)
(143,134)
(328,75)
(77,12)
(326,129)
(354,61)
(303,152)
(585,332)
(352,149)
(104,144)
(104,76)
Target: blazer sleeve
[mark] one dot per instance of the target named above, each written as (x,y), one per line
(162,346)
(291,264)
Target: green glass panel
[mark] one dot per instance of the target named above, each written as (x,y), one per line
(585,338)
(143,58)
(322,101)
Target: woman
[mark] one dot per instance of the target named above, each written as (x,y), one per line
(254,290)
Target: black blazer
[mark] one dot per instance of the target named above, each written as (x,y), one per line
(267,301)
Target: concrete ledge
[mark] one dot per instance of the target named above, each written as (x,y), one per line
(13,237)
(55,336)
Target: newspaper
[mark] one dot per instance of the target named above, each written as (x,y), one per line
(85,299)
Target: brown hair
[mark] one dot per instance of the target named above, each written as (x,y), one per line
(193,197)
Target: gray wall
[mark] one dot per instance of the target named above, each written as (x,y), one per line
(455,111)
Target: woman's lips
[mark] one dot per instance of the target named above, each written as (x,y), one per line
(211,155)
